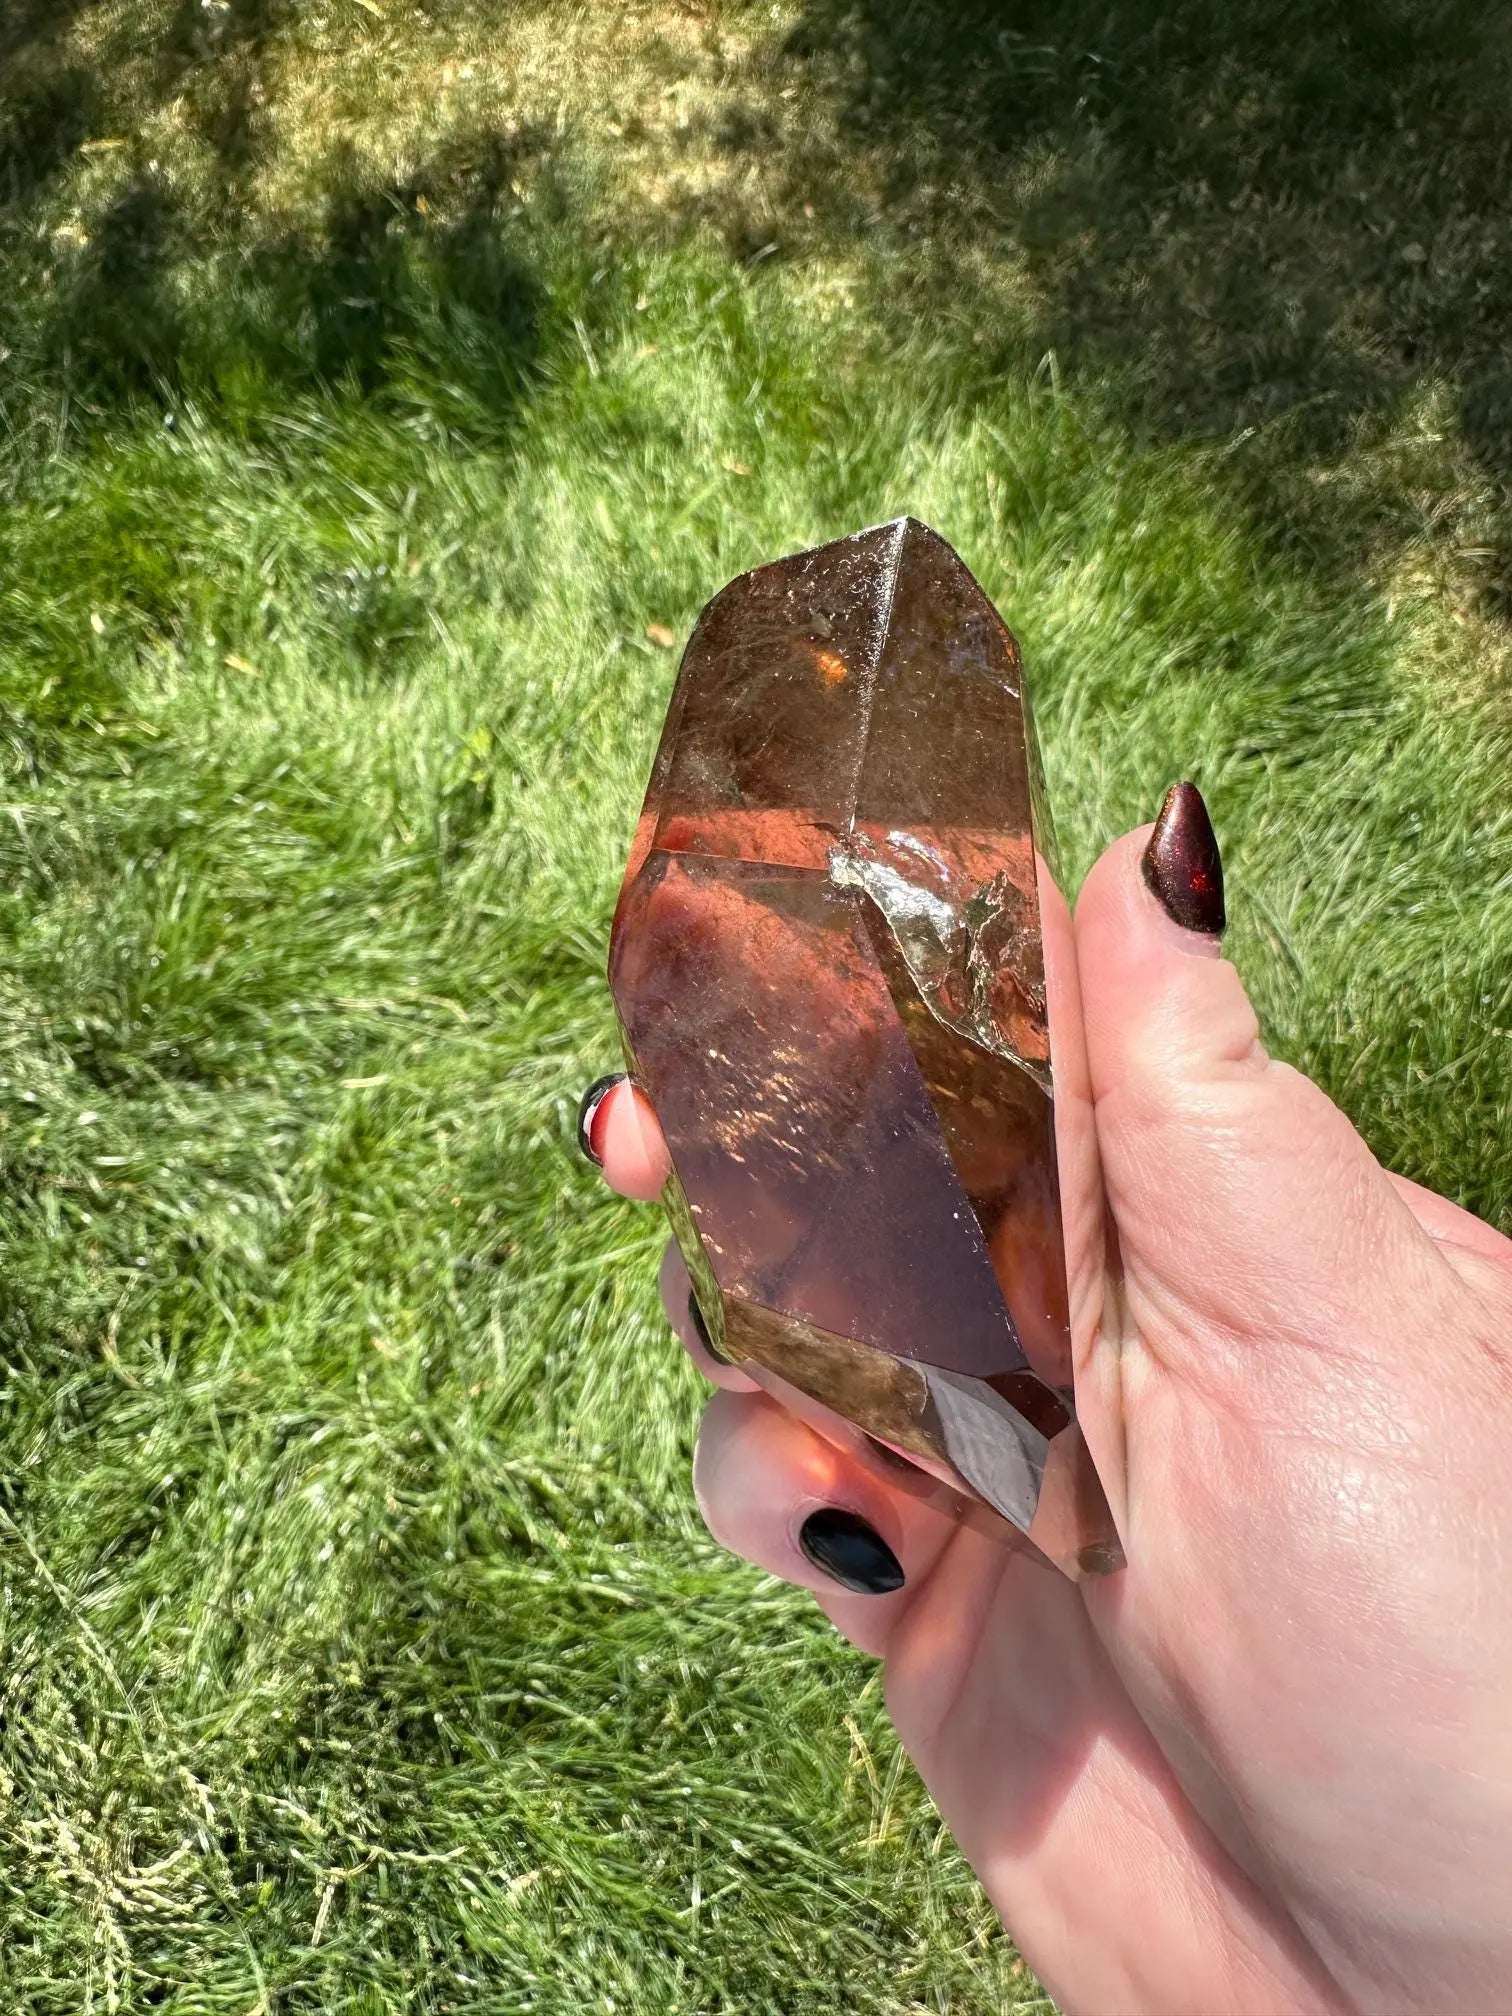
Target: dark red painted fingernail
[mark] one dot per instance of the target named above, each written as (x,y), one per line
(590,1115)
(701,1330)
(844,1546)
(1182,865)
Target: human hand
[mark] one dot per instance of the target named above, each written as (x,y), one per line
(1268,1767)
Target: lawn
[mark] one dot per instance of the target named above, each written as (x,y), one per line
(378,382)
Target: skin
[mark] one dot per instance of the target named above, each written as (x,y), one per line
(1267,1768)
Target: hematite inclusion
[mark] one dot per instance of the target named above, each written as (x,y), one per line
(829,971)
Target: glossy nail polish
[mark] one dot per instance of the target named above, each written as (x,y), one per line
(849,1550)
(1182,866)
(701,1330)
(590,1112)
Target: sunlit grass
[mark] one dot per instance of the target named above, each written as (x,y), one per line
(362,1649)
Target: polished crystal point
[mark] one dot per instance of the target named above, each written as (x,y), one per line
(829,970)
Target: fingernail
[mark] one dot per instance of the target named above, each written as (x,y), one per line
(854,1553)
(589,1111)
(1182,866)
(701,1330)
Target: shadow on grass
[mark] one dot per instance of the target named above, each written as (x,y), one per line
(378,298)
(1282,223)
(123,276)
(158,292)
(1279,228)
(1261,220)
(49,99)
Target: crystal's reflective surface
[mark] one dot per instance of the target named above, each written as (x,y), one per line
(829,970)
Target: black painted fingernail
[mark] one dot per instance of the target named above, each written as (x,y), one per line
(589,1109)
(854,1553)
(701,1329)
(1182,865)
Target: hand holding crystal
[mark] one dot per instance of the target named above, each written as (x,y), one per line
(1267,1768)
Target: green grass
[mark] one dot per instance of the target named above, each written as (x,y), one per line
(374,377)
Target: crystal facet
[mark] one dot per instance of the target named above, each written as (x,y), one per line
(829,970)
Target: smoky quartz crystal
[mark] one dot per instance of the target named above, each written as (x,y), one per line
(829,969)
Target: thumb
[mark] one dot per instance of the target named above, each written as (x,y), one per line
(1242,1196)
